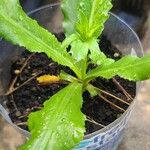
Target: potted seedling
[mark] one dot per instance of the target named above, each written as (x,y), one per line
(66,85)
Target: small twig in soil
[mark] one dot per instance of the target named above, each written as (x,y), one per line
(36,107)
(25,115)
(14,104)
(114,105)
(119,99)
(120,87)
(10,92)
(94,122)
(20,71)
(21,123)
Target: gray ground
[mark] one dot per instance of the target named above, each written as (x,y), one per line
(137,135)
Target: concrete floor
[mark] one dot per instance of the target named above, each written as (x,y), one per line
(137,135)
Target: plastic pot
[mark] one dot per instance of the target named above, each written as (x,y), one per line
(120,35)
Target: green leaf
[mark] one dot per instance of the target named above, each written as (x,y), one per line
(90,88)
(85,17)
(17,27)
(96,55)
(129,67)
(79,49)
(92,16)
(60,124)
(70,11)
(67,41)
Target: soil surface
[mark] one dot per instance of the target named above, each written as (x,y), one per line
(29,95)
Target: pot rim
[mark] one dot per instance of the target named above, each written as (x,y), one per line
(137,87)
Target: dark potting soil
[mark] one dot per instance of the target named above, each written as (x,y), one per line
(29,95)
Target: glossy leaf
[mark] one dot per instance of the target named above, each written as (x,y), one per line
(60,124)
(17,27)
(129,67)
(70,12)
(79,49)
(92,16)
(96,55)
(85,17)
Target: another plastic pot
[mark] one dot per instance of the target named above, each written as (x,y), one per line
(120,35)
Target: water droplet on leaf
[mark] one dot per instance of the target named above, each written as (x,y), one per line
(21,18)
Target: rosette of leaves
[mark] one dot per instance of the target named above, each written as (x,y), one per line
(60,123)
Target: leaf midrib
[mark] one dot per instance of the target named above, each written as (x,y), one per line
(112,68)
(11,21)
(92,14)
(61,108)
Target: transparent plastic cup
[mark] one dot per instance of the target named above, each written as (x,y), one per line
(120,35)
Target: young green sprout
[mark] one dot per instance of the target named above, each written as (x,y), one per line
(56,126)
